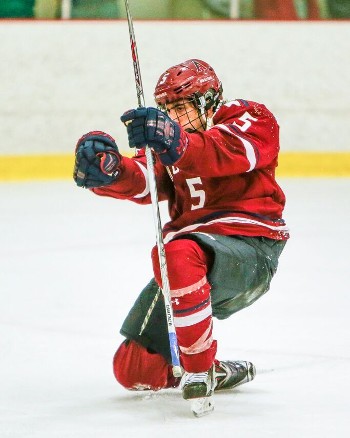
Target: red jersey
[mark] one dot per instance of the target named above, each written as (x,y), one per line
(224,183)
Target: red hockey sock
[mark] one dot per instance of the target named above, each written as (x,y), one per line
(190,296)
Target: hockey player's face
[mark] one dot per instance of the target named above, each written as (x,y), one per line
(186,114)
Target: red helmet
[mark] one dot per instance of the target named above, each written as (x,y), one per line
(191,79)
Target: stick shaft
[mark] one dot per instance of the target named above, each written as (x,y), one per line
(174,350)
(135,58)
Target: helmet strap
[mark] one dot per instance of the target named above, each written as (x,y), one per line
(204,102)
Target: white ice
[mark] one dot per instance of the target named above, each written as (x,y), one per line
(71,265)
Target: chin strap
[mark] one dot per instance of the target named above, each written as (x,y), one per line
(209,123)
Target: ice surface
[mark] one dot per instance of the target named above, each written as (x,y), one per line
(71,265)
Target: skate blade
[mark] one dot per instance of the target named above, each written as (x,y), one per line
(202,406)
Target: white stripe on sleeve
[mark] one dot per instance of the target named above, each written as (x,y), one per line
(145,174)
(249,150)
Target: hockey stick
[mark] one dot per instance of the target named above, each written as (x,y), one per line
(174,349)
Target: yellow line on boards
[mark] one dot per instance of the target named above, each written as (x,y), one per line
(314,164)
(36,167)
(60,166)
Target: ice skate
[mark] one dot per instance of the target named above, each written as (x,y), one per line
(198,388)
(229,374)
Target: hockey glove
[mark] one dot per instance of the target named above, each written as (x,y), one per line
(97,160)
(152,127)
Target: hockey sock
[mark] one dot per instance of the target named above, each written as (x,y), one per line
(190,294)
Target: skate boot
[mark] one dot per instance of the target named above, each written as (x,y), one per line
(229,374)
(198,388)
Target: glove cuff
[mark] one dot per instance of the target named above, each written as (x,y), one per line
(110,163)
(178,147)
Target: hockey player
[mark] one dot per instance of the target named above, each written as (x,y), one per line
(215,165)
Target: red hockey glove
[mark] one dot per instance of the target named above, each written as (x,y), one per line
(97,160)
(152,127)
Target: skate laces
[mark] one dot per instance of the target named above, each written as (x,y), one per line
(190,378)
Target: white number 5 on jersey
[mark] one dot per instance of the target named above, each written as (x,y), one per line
(246,119)
(196,193)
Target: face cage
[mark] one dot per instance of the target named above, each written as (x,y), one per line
(201,104)
(189,126)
